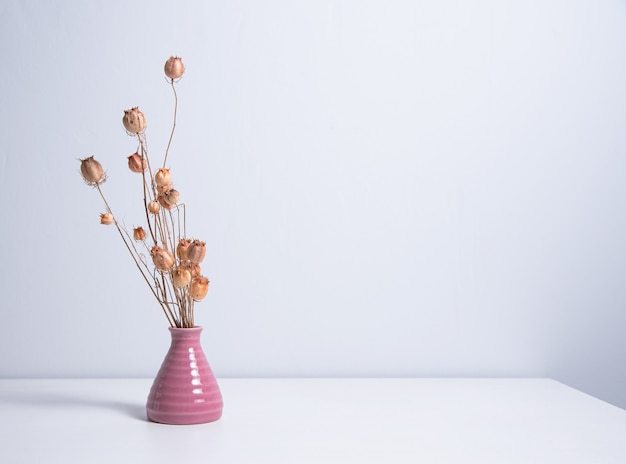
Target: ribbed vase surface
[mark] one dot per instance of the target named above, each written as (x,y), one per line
(185,390)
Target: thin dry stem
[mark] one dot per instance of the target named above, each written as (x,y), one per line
(167,150)
(128,247)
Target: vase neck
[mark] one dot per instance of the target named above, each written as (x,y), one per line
(191,333)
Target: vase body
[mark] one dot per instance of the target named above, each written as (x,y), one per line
(185,390)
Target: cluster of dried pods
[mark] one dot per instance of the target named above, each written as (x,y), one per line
(175,277)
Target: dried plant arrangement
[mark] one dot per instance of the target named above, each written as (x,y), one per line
(167,259)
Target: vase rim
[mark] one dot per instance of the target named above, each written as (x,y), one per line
(176,329)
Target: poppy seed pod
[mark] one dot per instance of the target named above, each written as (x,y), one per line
(181,277)
(197,251)
(164,203)
(106,219)
(168,199)
(174,67)
(154,207)
(171,197)
(182,249)
(162,259)
(199,288)
(137,163)
(92,171)
(194,268)
(139,234)
(163,177)
(134,121)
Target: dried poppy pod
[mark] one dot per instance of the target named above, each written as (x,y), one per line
(162,259)
(92,171)
(172,196)
(199,288)
(139,234)
(174,67)
(181,277)
(164,203)
(197,251)
(106,219)
(154,207)
(169,199)
(163,177)
(194,268)
(182,249)
(134,121)
(137,163)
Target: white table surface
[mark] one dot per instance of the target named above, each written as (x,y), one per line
(503,421)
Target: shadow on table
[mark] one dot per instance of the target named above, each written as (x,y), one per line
(66,401)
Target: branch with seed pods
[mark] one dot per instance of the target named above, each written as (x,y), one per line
(173,273)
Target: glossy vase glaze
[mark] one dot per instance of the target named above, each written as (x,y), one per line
(185,390)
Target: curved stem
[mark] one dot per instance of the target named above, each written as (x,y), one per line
(167,150)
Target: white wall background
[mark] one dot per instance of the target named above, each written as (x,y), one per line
(387,188)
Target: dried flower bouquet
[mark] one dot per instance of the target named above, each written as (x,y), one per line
(173,271)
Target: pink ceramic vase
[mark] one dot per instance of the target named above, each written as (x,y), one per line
(185,390)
